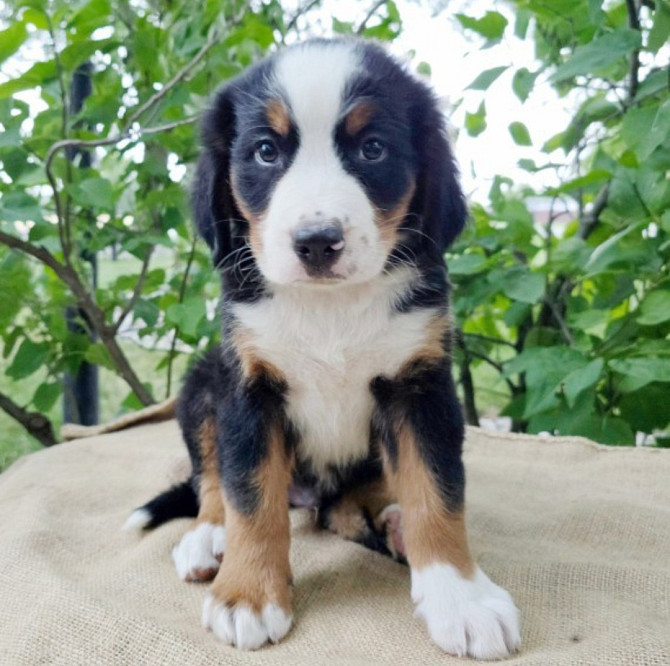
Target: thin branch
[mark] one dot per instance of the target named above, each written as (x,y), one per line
(38,425)
(128,134)
(137,292)
(364,23)
(590,220)
(561,322)
(182,293)
(488,338)
(300,12)
(69,276)
(177,78)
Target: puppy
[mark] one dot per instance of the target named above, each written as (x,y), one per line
(328,194)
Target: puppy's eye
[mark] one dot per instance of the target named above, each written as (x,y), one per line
(266,152)
(373,150)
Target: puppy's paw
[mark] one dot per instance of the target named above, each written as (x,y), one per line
(239,625)
(466,617)
(198,555)
(389,524)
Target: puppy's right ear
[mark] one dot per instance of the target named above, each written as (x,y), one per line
(212,197)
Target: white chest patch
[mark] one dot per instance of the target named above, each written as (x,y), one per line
(329,344)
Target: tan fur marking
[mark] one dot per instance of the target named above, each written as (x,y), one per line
(211,497)
(432,534)
(358,118)
(255,236)
(434,347)
(278,117)
(252,364)
(256,569)
(389,221)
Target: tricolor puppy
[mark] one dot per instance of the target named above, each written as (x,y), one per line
(328,195)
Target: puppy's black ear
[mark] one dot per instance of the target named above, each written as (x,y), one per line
(439,202)
(212,196)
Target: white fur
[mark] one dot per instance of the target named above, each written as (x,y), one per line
(199,551)
(316,186)
(466,617)
(137,521)
(329,344)
(241,627)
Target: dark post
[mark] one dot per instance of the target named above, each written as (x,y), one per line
(80,394)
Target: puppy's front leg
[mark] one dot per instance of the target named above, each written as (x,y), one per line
(421,430)
(250,599)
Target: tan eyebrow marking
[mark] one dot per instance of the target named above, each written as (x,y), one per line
(358,117)
(278,117)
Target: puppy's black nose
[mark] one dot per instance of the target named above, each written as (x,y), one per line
(318,247)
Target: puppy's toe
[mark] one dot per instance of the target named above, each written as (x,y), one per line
(242,627)
(389,523)
(466,617)
(198,555)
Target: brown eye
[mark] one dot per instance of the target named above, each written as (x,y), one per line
(266,152)
(373,150)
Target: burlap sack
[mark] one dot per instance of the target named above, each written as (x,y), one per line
(579,534)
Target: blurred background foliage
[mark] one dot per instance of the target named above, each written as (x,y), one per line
(562,316)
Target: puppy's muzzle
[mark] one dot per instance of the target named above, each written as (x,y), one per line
(319,246)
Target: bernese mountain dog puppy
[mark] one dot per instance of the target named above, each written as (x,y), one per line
(328,195)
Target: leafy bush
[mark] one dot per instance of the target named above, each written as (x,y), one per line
(574,315)
(573,318)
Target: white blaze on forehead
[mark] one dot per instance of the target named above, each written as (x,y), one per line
(314,77)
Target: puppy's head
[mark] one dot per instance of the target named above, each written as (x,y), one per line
(328,160)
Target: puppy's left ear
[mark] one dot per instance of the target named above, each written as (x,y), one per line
(439,202)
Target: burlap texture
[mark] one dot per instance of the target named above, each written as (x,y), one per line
(579,534)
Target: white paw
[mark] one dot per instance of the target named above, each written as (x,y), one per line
(241,627)
(466,617)
(198,555)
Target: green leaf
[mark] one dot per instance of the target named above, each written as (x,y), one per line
(39,74)
(579,380)
(342,27)
(187,315)
(616,431)
(147,311)
(46,396)
(29,358)
(596,176)
(486,78)
(546,368)
(98,355)
(522,285)
(603,51)
(11,39)
(655,308)
(492,25)
(424,69)
(520,134)
(19,207)
(523,83)
(475,123)
(639,372)
(467,264)
(94,193)
(647,409)
(658,133)
(660,31)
